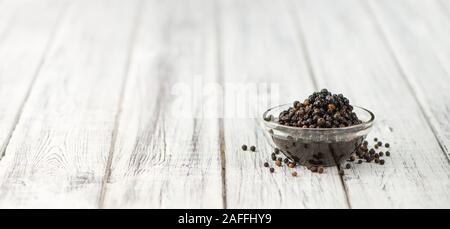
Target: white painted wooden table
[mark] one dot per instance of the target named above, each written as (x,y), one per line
(93,98)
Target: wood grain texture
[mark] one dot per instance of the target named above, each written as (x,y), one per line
(58,151)
(146,103)
(260,48)
(349,56)
(26,29)
(167,153)
(414,31)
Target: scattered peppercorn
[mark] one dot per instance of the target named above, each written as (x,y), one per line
(276,151)
(266,164)
(379,143)
(386,145)
(348,166)
(274,157)
(278,163)
(244,147)
(381,162)
(375,146)
(272,170)
(280,159)
(364,148)
(377,160)
(360,161)
(381,153)
(320,169)
(388,153)
(341,172)
(313,168)
(352,158)
(286,160)
(252,148)
(375,139)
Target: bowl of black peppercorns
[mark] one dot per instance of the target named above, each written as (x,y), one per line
(323,130)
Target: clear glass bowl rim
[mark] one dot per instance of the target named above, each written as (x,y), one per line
(358,127)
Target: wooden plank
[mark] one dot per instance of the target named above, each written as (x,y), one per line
(58,152)
(349,56)
(418,34)
(167,152)
(260,49)
(26,28)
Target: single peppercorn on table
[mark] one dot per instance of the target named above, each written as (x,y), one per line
(147,103)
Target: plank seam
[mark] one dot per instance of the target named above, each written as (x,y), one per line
(41,63)
(221,106)
(107,173)
(403,74)
(304,45)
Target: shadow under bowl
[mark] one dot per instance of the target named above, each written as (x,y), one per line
(317,146)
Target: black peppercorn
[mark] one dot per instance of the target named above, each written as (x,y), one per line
(244,147)
(278,163)
(252,148)
(274,157)
(320,122)
(320,169)
(276,151)
(352,158)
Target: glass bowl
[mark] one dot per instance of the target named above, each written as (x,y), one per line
(317,146)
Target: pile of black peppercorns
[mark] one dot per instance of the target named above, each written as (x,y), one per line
(364,154)
(369,155)
(321,110)
(279,162)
